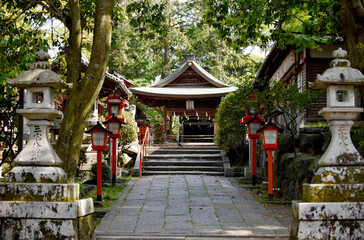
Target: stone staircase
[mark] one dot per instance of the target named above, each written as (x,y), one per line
(189,159)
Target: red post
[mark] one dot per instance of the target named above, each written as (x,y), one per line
(270,174)
(254,164)
(113,160)
(99,176)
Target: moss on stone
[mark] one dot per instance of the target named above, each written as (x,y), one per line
(333,193)
(341,175)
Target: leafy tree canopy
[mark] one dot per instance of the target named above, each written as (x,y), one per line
(302,23)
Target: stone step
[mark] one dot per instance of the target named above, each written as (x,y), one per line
(184,168)
(146,173)
(184,151)
(184,148)
(172,162)
(184,156)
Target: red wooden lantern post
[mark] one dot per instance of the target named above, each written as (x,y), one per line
(254,122)
(270,143)
(98,139)
(113,125)
(115,107)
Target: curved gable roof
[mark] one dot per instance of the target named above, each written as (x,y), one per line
(196,67)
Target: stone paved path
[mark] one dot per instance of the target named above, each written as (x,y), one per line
(187,207)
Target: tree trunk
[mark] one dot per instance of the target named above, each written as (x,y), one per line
(352,28)
(81,98)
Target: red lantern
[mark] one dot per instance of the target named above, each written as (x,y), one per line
(113,125)
(98,139)
(115,106)
(254,122)
(270,135)
(270,143)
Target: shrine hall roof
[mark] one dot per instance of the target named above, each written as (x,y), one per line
(168,88)
(183,92)
(195,66)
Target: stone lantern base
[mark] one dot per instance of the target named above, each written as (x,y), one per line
(327,220)
(44,210)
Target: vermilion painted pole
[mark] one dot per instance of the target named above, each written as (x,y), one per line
(113,160)
(99,176)
(270,174)
(254,164)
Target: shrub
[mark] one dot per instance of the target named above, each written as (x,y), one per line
(106,172)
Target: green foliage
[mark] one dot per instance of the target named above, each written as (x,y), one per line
(155,38)
(156,118)
(106,172)
(258,22)
(288,101)
(19,40)
(230,136)
(128,130)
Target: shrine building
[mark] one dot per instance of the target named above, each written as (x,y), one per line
(191,93)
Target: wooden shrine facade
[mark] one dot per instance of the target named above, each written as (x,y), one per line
(191,93)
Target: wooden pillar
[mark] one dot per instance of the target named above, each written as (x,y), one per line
(165,125)
(170,126)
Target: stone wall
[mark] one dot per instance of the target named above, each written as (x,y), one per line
(297,167)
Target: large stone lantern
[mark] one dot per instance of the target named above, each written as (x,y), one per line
(38,162)
(332,205)
(36,203)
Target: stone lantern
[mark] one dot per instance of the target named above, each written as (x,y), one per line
(38,161)
(332,205)
(36,202)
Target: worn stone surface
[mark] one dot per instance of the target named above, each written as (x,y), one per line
(339,174)
(187,205)
(46,192)
(327,220)
(333,205)
(333,192)
(30,208)
(341,150)
(30,174)
(46,210)
(328,210)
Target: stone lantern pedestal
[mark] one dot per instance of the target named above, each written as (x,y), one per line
(332,205)
(36,202)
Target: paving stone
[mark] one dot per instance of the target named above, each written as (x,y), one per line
(203,201)
(176,210)
(187,207)
(211,229)
(235,226)
(128,212)
(149,228)
(179,219)
(122,225)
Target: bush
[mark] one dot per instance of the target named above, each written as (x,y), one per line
(230,136)
(128,130)
(106,172)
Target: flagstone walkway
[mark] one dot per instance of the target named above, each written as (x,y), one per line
(187,207)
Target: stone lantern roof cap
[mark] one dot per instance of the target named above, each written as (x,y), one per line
(39,75)
(340,72)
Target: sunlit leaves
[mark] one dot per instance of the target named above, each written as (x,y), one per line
(242,23)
